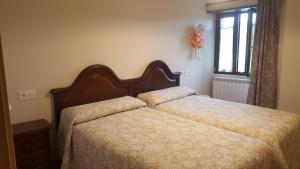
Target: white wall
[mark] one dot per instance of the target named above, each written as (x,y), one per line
(47,43)
(289,58)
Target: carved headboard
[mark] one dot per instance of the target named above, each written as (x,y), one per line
(156,76)
(99,82)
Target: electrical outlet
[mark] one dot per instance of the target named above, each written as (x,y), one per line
(186,72)
(27,95)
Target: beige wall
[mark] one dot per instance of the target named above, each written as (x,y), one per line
(289,58)
(48,42)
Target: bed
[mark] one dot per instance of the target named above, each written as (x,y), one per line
(100,125)
(278,129)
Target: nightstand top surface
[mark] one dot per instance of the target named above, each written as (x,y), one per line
(30,127)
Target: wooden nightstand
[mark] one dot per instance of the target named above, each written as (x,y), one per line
(31,140)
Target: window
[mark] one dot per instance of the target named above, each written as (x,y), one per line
(234,41)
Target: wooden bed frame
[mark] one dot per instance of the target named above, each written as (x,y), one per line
(99,82)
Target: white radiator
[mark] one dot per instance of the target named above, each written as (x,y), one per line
(231,89)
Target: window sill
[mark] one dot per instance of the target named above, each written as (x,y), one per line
(231,76)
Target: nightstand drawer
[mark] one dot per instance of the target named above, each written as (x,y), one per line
(31,141)
(33,161)
(31,144)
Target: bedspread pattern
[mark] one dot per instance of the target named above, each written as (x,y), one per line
(280,130)
(83,113)
(161,96)
(148,139)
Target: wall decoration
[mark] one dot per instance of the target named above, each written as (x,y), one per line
(198,40)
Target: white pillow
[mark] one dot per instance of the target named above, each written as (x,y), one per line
(156,97)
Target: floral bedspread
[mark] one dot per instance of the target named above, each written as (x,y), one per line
(149,139)
(278,129)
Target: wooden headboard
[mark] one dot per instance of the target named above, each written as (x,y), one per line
(156,76)
(99,82)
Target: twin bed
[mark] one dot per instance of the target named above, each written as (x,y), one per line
(101,124)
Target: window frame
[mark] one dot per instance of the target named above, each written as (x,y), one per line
(236,33)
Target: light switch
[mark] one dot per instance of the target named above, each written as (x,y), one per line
(27,95)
